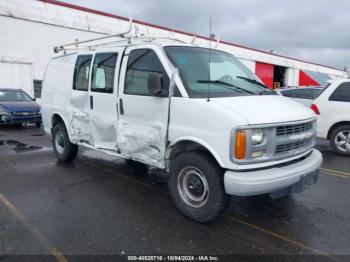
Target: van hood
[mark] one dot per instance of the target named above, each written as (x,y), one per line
(20,106)
(265,109)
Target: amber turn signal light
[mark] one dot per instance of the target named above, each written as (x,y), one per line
(241,145)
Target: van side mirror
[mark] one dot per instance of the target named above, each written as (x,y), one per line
(155,85)
(34,99)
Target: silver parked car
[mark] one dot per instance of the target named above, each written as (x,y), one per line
(303,95)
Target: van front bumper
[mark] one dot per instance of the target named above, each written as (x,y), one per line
(294,177)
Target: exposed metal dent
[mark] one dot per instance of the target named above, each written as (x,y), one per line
(104,133)
(77,128)
(79,125)
(141,143)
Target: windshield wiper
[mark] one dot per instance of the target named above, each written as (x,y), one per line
(250,80)
(228,85)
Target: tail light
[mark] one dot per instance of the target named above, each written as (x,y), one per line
(315,109)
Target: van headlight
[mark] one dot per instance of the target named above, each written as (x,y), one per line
(257,136)
(249,143)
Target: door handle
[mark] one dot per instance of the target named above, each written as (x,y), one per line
(91,102)
(121,107)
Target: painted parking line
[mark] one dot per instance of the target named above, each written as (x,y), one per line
(53,251)
(237,220)
(335,172)
(283,238)
(278,236)
(332,174)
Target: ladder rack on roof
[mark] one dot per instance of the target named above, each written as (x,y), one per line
(129,39)
(137,39)
(58,49)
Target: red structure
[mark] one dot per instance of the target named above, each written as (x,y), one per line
(265,73)
(306,80)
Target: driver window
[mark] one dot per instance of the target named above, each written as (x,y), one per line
(141,64)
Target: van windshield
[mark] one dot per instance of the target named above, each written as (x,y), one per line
(227,75)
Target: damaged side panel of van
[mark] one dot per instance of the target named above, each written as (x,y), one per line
(142,143)
(79,101)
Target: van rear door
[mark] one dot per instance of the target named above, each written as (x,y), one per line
(143,121)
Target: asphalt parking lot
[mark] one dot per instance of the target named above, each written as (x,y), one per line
(101,206)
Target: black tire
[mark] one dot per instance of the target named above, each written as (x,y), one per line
(216,200)
(38,124)
(334,137)
(64,150)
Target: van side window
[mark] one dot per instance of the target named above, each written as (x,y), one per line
(141,64)
(103,71)
(342,93)
(81,73)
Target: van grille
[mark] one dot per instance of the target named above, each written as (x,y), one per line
(290,146)
(23,113)
(282,141)
(293,129)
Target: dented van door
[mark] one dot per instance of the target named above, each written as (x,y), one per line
(103,98)
(79,122)
(142,126)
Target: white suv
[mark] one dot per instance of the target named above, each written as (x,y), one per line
(333,110)
(209,122)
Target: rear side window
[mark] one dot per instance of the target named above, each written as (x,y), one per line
(81,73)
(315,93)
(286,93)
(302,93)
(141,64)
(341,94)
(103,71)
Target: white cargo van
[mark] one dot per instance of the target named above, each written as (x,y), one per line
(196,112)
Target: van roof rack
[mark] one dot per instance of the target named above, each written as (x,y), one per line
(130,39)
(57,49)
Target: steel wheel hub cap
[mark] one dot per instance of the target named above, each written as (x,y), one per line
(59,142)
(193,187)
(342,141)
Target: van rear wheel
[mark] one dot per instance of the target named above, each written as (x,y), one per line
(64,150)
(196,186)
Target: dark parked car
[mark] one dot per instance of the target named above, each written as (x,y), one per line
(17,107)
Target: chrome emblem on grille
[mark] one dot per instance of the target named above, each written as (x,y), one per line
(302,137)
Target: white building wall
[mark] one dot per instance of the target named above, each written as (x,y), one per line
(292,77)
(34,42)
(11,69)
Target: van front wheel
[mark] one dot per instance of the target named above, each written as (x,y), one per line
(196,186)
(64,150)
